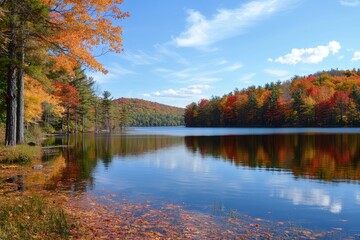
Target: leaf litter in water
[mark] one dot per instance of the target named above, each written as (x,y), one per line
(104,217)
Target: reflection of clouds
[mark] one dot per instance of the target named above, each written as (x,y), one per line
(357,197)
(173,159)
(278,181)
(311,197)
(204,171)
(336,207)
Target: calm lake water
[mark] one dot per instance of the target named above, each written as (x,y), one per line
(310,177)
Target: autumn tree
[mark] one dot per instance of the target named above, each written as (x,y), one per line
(81,26)
(71,31)
(69,97)
(252,110)
(191,115)
(322,99)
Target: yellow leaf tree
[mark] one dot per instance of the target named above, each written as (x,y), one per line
(35,95)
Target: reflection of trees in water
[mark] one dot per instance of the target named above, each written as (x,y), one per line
(84,151)
(326,157)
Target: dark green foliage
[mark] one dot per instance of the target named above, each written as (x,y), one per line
(106,108)
(85,87)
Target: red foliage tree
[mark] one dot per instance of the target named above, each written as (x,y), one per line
(69,97)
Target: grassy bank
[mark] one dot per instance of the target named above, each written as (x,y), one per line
(25,214)
(20,153)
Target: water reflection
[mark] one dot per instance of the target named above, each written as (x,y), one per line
(357,198)
(311,197)
(329,157)
(83,152)
(265,176)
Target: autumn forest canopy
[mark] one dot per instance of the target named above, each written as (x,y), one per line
(325,99)
(45,45)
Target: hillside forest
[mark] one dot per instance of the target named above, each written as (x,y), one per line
(325,99)
(138,112)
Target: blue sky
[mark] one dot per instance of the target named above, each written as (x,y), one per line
(179,51)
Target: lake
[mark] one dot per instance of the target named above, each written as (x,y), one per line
(308,177)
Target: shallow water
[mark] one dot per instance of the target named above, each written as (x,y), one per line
(309,177)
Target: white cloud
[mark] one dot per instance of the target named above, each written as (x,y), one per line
(164,50)
(186,92)
(350,3)
(226,23)
(140,58)
(233,67)
(222,62)
(202,74)
(115,71)
(356,56)
(309,55)
(246,78)
(277,72)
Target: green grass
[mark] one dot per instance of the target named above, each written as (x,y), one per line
(30,217)
(19,154)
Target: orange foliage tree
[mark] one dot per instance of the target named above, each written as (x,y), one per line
(79,27)
(322,99)
(69,97)
(73,33)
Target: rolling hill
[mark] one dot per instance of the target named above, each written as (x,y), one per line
(139,112)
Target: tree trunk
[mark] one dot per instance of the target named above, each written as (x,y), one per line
(107,124)
(76,123)
(20,108)
(10,136)
(96,118)
(83,122)
(62,124)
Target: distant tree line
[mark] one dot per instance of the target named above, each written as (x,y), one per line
(325,99)
(145,113)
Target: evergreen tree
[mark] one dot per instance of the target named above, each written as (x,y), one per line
(106,104)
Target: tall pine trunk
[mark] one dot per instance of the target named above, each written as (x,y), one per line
(10,136)
(20,108)
(76,123)
(83,122)
(96,118)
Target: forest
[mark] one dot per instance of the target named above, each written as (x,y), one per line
(324,99)
(45,47)
(138,112)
